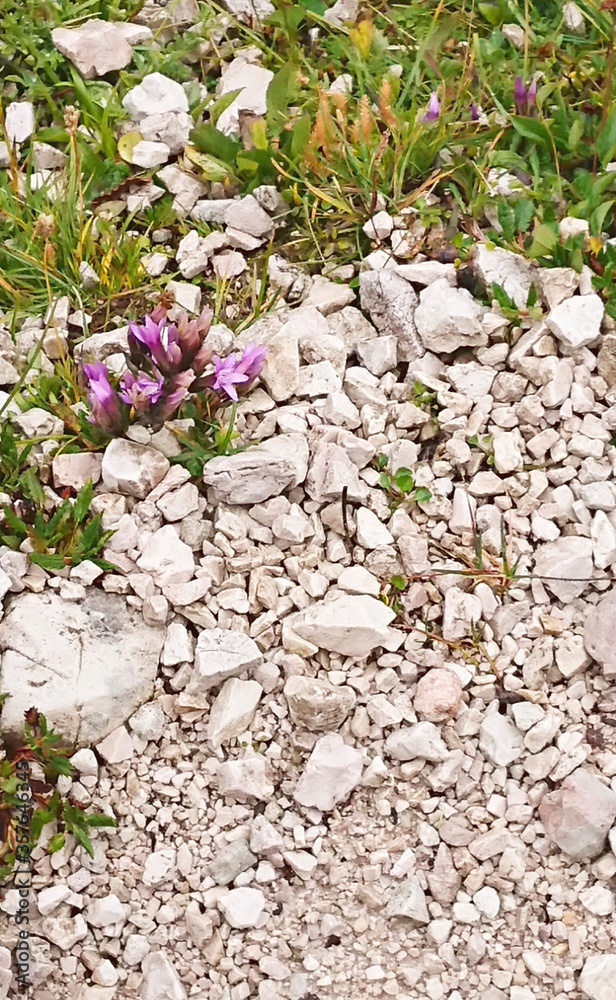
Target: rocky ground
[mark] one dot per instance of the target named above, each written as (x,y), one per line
(359,741)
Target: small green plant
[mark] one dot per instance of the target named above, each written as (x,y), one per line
(207,438)
(484,444)
(400,485)
(27,803)
(510,310)
(66,538)
(392,591)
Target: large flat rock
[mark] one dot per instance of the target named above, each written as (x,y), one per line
(87,667)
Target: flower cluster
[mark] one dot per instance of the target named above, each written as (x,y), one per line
(167,361)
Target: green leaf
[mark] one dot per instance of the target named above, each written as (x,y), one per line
(504,300)
(381,462)
(31,486)
(404,480)
(56,843)
(209,140)
(398,583)
(605,146)
(54,563)
(524,212)
(598,217)
(506,219)
(314,6)
(422,495)
(532,129)
(385,481)
(83,502)
(82,838)
(94,538)
(14,522)
(531,298)
(100,820)
(222,104)
(575,134)
(280,94)
(300,136)
(545,238)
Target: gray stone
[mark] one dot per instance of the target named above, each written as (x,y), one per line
(99,47)
(230,861)
(259,473)
(317,704)
(409,902)
(600,632)
(578,816)
(390,301)
(133,469)
(87,667)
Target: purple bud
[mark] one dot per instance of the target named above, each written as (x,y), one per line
(175,394)
(434,109)
(524,97)
(474,113)
(106,409)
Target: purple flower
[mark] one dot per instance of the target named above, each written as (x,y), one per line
(142,392)
(474,113)
(160,340)
(237,370)
(106,409)
(524,97)
(434,109)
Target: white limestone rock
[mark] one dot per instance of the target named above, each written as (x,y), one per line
(87,667)
(252,82)
(160,979)
(219,655)
(155,95)
(259,473)
(132,469)
(167,558)
(19,121)
(233,710)
(245,779)
(332,772)
(448,318)
(390,301)
(352,625)
(566,564)
(242,908)
(511,271)
(99,47)
(598,977)
(576,322)
(421,741)
(500,740)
